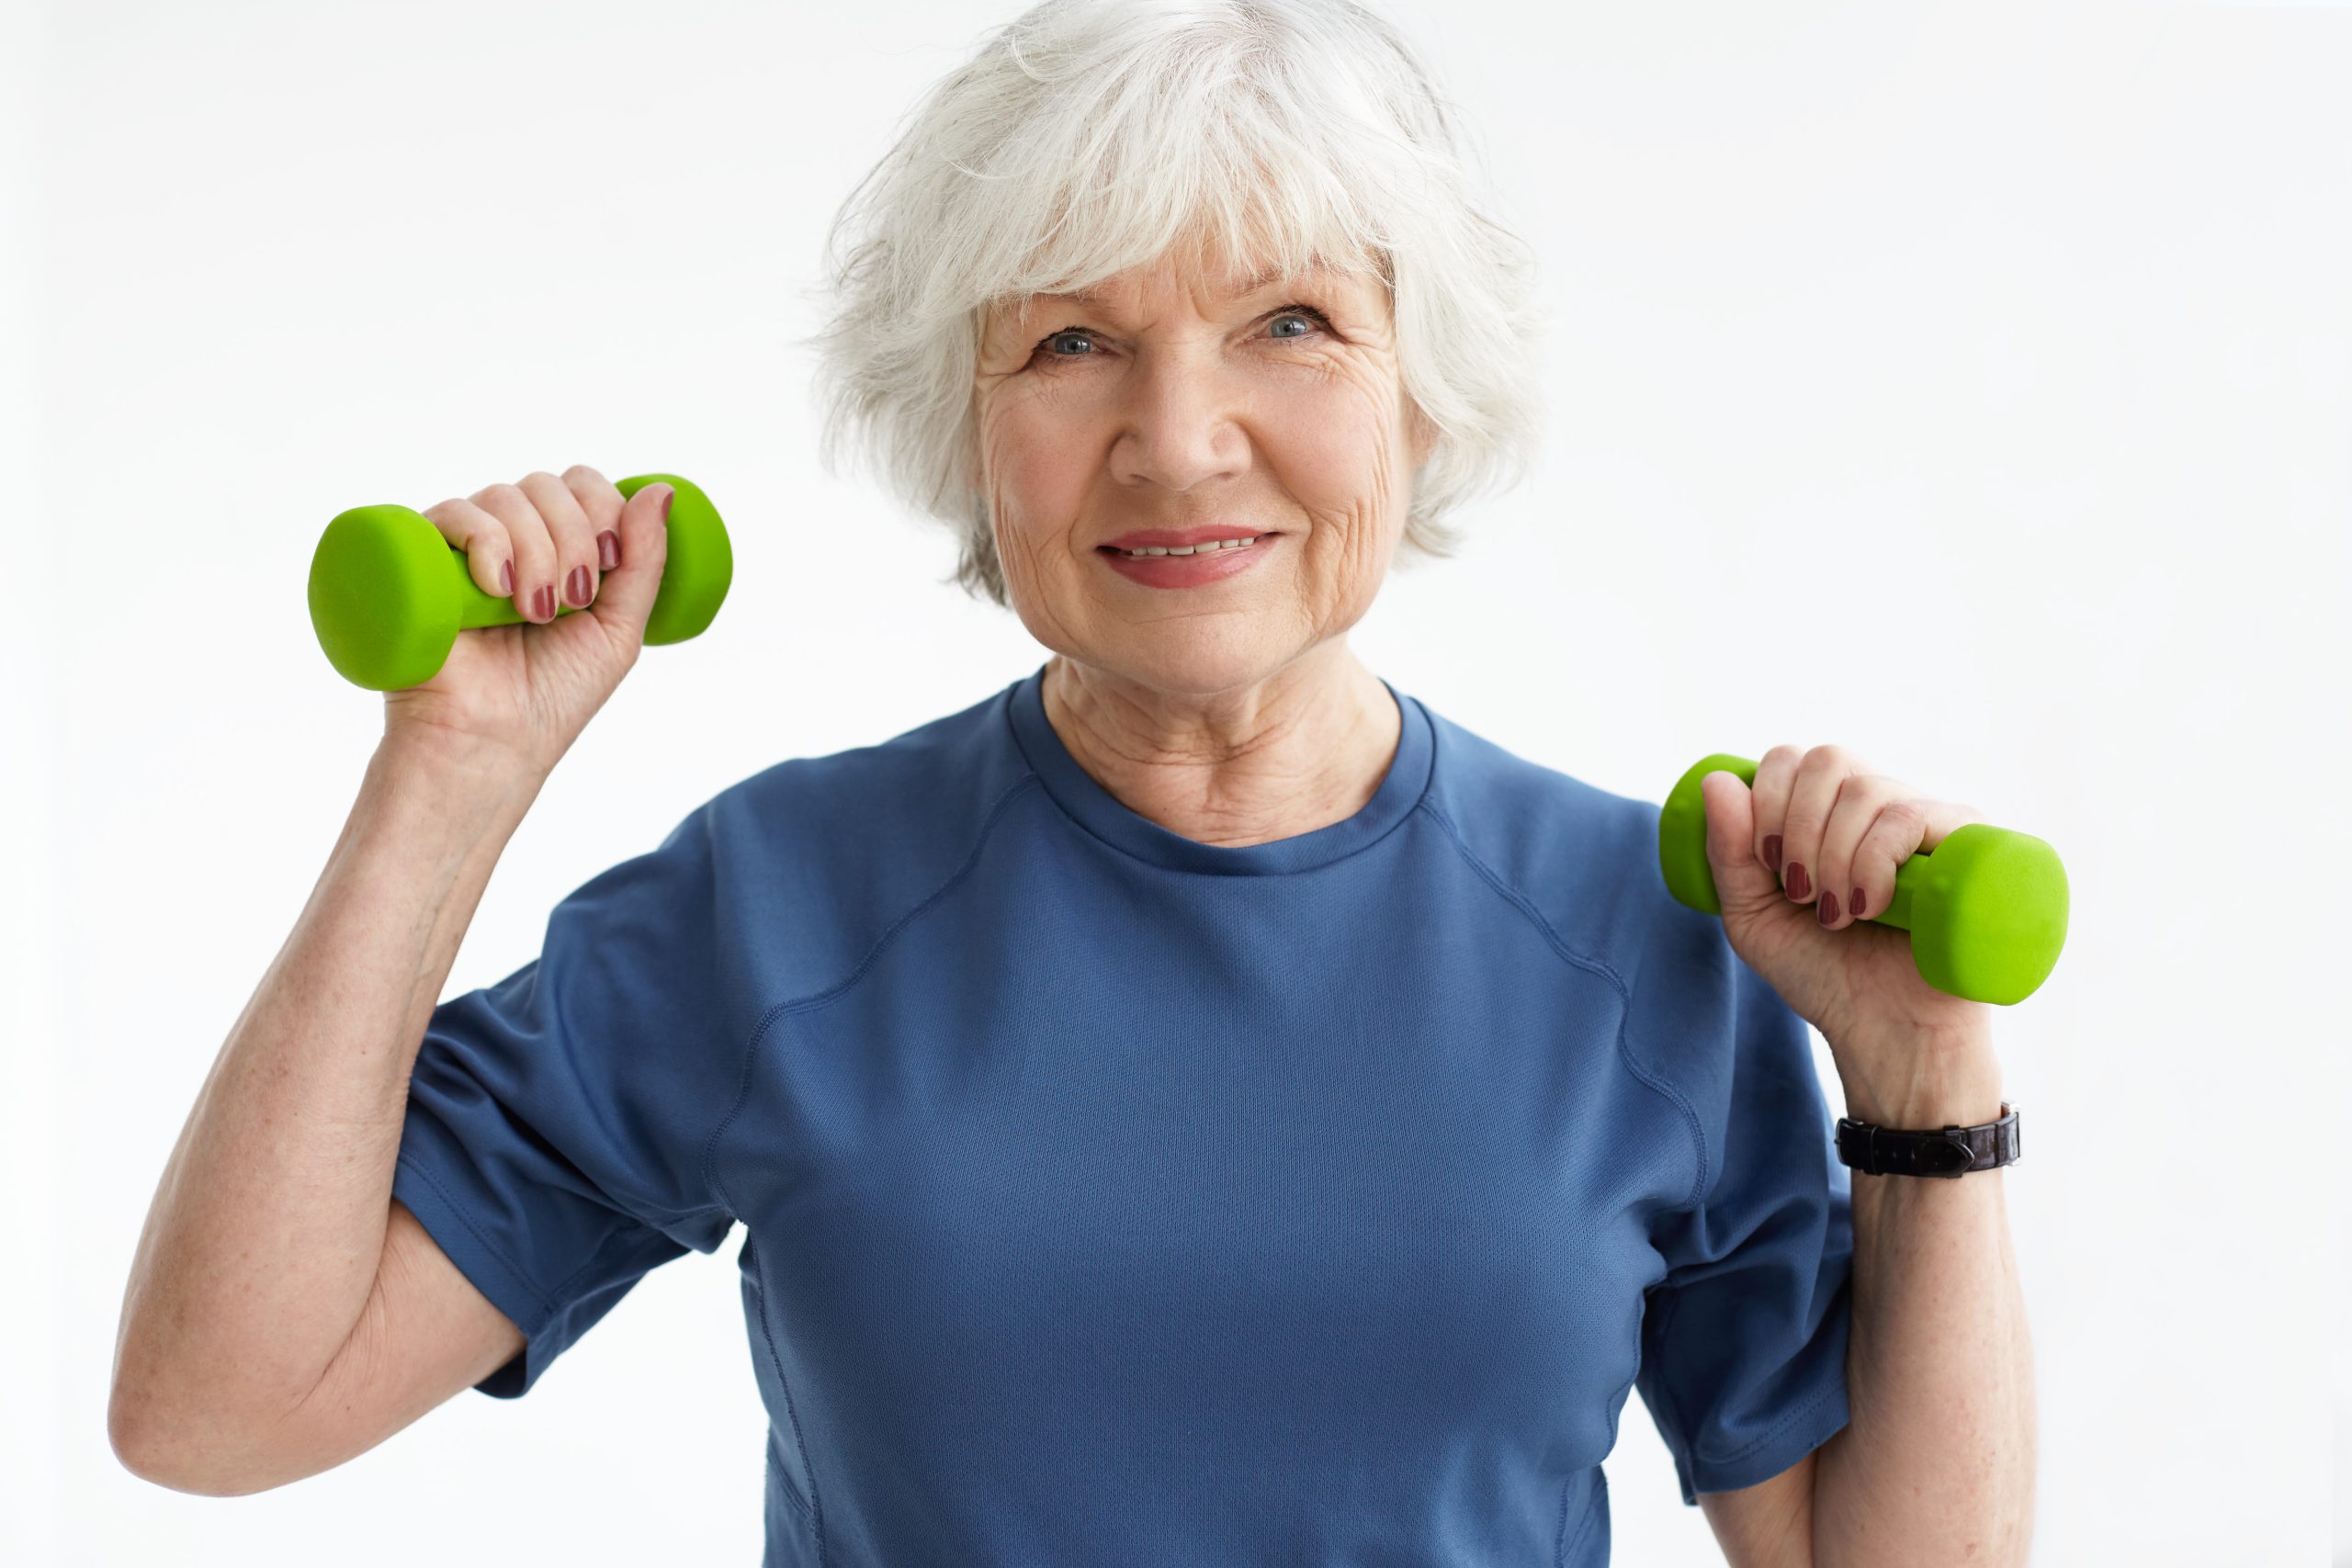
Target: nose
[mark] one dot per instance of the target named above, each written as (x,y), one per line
(1182,426)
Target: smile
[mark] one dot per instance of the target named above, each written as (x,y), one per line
(1190,568)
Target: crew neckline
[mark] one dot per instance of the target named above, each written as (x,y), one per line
(1102,813)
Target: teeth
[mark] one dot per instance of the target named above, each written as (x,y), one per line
(1188,549)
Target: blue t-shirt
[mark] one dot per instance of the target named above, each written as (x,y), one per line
(1115,1198)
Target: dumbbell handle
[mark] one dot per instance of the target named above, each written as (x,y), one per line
(478,608)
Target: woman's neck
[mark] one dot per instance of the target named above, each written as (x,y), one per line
(1301,749)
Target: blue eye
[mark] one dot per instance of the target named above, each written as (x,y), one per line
(1303,311)
(1081,335)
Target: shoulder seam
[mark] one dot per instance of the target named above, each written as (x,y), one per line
(1534,917)
(830,993)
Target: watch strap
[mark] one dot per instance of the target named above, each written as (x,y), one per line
(1949,1150)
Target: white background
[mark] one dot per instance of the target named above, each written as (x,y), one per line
(1965,384)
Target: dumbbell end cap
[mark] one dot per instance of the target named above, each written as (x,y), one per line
(700,565)
(1999,899)
(380,597)
(1682,832)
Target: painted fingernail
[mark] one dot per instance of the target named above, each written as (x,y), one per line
(1829,908)
(1799,884)
(1772,851)
(576,586)
(543,603)
(608,551)
(506,576)
(1857,910)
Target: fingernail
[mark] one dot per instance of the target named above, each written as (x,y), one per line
(506,576)
(669,494)
(1858,903)
(543,603)
(1799,884)
(1772,851)
(608,551)
(1829,908)
(576,586)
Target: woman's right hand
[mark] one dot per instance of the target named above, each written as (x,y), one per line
(524,692)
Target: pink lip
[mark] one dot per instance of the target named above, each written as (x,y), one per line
(1190,571)
(1172,538)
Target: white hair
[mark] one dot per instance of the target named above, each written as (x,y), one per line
(1088,136)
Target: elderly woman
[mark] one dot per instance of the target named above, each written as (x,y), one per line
(1196,1104)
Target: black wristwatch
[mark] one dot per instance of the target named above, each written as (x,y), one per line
(1949,1151)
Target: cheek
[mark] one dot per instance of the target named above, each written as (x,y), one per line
(1036,487)
(1338,441)
(1034,466)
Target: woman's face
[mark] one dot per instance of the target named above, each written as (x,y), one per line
(1171,398)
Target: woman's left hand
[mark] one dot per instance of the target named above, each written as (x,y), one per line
(1817,836)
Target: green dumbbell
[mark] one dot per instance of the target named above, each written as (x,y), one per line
(389,594)
(1986,909)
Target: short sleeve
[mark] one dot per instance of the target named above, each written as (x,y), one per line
(1743,1362)
(555,1122)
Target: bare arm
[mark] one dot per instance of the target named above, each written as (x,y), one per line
(283,1314)
(263,1257)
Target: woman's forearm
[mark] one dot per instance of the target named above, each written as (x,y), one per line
(1937,1462)
(262,1243)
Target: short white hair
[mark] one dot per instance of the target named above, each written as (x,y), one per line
(1088,137)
